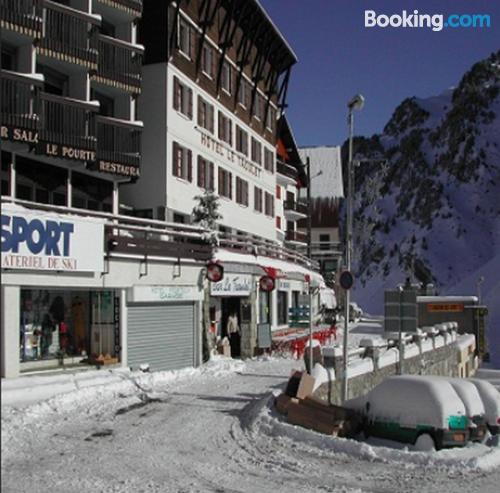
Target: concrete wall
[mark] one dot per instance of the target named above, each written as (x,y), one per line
(444,361)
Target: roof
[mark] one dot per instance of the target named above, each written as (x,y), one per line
(327,160)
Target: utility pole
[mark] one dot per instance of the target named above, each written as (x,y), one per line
(356,103)
(309,208)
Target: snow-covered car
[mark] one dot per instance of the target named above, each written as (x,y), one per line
(421,410)
(474,407)
(491,401)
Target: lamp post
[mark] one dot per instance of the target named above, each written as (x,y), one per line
(356,103)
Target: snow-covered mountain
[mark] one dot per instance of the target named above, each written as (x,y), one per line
(432,209)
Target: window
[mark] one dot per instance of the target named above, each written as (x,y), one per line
(225,183)
(269,160)
(182,162)
(245,94)
(278,192)
(282,307)
(205,174)
(185,40)
(241,191)
(183,98)
(178,218)
(225,129)
(256,151)
(257,200)
(324,241)
(271,119)
(278,222)
(241,140)
(269,203)
(227,78)
(205,115)
(259,107)
(208,61)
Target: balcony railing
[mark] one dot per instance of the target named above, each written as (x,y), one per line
(286,170)
(295,236)
(133,7)
(67,36)
(119,64)
(18,104)
(118,142)
(22,16)
(292,205)
(69,125)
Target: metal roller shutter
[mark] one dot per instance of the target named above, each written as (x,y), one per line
(162,336)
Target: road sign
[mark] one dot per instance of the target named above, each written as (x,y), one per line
(346,279)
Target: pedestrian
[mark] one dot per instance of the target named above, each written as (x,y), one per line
(233,333)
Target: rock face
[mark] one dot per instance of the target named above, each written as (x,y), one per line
(432,208)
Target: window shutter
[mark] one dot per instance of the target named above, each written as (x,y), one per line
(189,165)
(192,39)
(221,182)
(211,178)
(212,59)
(248,94)
(200,103)
(230,179)
(221,126)
(230,129)
(176,94)
(200,178)
(246,193)
(211,117)
(175,159)
(190,102)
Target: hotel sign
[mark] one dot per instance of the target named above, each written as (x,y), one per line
(445,307)
(150,294)
(234,157)
(232,285)
(35,240)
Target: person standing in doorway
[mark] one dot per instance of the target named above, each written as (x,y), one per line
(233,332)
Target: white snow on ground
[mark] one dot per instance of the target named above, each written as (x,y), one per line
(209,429)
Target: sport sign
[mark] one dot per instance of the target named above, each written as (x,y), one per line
(36,240)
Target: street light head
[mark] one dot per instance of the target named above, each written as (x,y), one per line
(356,103)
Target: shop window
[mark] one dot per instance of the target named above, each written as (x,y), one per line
(324,241)
(59,198)
(42,196)
(282,307)
(76,326)
(6,159)
(24,192)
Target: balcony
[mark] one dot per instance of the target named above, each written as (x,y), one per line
(294,210)
(295,237)
(67,37)
(123,9)
(19,107)
(67,128)
(119,64)
(22,17)
(287,175)
(118,146)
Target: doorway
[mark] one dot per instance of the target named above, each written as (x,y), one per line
(231,306)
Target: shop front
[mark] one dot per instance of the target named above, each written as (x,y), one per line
(231,307)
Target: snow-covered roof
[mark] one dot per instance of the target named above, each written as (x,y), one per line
(327,160)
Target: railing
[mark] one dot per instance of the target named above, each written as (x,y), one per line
(137,237)
(24,16)
(119,64)
(67,122)
(132,6)
(286,170)
(67,36)
(118,141)
(19,101)
(255,245)
(295,236)
(292,205)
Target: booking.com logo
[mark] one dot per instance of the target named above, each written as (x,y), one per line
(434,21)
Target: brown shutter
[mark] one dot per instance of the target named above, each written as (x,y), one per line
(211,118)
(200,177)
(199,112)
(246,193)
(193,37)
(211,178)
(189,165)
(190,102)
(174,158)
(230,129)
(221,126)
(230,179)
(176,94)
(213,58)
(221,181)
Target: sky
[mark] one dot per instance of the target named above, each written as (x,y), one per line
(339,57)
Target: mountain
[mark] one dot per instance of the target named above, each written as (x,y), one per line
(427,205)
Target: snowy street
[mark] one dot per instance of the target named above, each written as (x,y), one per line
(210,429)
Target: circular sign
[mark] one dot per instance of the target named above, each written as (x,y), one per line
(215,272)
(346,279)
(266,283)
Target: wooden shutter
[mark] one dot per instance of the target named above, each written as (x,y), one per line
(248,94)
(176,94)
(192,37)
(175,159)
(212,59)
(200,103)
(230,130)
(211,176)
(230,179)
(201,172)
(210,116)
(221,126)
(189,165)
(190,102)
(221,181)
(246,193)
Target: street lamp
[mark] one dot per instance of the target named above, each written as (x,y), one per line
(356,103)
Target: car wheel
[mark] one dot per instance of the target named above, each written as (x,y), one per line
(424,443)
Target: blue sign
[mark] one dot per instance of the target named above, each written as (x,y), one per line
(50,237)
